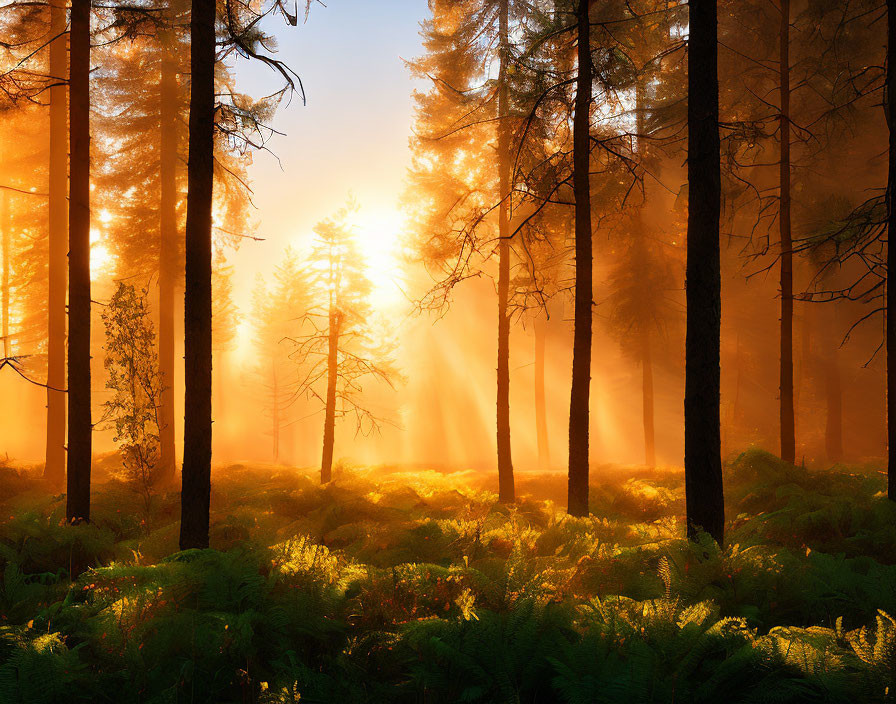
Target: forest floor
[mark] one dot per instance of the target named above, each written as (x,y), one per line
(415,586)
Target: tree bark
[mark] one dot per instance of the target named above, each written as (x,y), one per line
(577,503)
(803,369)
(4,278)
(168,254)
(57,275)
(80,427)
(647,400)
(219,397)
(833,430)
(326,463)
(275,412)
(737,405)
(891,253)
(541,417)
(788,439)
(196,473)
(506,491)
(641,262)
(702,440)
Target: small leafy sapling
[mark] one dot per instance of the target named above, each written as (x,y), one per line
(137,386)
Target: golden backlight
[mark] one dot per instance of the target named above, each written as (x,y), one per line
(379,237)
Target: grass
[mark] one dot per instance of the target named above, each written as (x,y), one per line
(397,586)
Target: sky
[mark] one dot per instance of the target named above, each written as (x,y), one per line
(351,136)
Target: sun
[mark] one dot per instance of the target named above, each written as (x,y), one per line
(379,237)
(102,260)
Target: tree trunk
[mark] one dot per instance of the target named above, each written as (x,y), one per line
(168,254)
(80,428)
(833,430)
(275,412)
(196,473)
(737,406)
(891,253)
(702,441)
(577,503)
(506,491)
(218,396)
(647,400)
(731,422)
(788,440)
(4,279)
(541,417)
(803,371)
(54,468)
(641,263)
(326,463)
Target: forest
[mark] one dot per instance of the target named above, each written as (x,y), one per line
(488,351)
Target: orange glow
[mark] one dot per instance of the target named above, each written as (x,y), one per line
(102,261)
(379,236)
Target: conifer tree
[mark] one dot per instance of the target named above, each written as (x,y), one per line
(891,251)
(225,323)
(788,432)
(702,461)
(237,119)
(815,59)
(23,239)
(276,313)
(54,468)
(80,425)
(170,141)
(196,480)
(35,50)
(579,411)
(335,347)
(469,113)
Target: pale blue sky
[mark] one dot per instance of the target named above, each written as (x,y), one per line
(353,133)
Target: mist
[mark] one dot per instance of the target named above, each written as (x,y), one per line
(458,350)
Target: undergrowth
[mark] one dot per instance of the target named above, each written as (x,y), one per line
(394,586)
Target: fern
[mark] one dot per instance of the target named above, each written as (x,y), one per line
(38,668)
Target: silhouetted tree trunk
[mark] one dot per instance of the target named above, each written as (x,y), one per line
(826,364)
(647,400)
(788,440)
(219,397)
(506,492)
(891,253)
(196,473)
(326,463)
(54,469)
(737,414)
(541,417)
(833,430)
(80,427)
(168,254)
(577,503)
(702,441)
(641,262)
(5,235)
(275,412)
(803,370)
